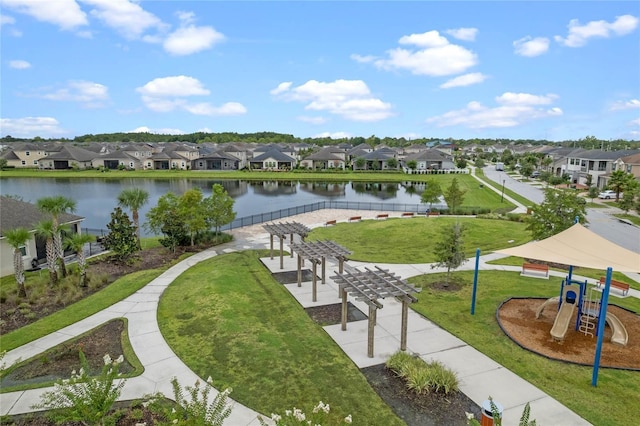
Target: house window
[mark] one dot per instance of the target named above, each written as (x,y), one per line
(27,153)
(628,168)
(602,166)
(131,165)
(23,250)
(35,162)
(24,163)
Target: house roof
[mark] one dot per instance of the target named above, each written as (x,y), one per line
(275,154)
(17,213)
(578,246)
(631,159)
(326,154)
(427,155)
(70,152)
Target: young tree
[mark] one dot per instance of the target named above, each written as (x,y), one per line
(133,199)
(454,196)
(392,163)
(17,238)
(593,192)
(55,206)
(449,250)
(627,201)
(412,164)
(556,213)
(431,193)
(219,208)
(121,239)
(76,242)
(165,218)
(45,230)
(192,209)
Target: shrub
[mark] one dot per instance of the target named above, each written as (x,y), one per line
(296,416)
(196,408)
(423,377)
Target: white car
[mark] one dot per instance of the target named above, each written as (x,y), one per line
(608,194)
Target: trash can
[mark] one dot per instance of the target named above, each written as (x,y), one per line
(487,414)
(481,185)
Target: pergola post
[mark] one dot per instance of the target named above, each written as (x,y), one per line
(314,292)
(323,269)
(299,270)
(403,329)
(372,323)
(344,309)
(341,264)
(281,252)
(292,243)
(271,246)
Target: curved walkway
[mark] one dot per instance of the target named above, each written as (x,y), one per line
(480,376)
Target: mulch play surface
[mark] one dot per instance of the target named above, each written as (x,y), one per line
(517,318)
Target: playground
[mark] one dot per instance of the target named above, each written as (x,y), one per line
(517,317)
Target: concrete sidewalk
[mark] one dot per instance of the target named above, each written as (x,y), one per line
(480,376)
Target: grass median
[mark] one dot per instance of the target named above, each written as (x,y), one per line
(229,319)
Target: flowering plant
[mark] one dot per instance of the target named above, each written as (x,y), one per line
(296,417)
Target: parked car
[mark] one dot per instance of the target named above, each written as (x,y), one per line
(535,174)
(608,194)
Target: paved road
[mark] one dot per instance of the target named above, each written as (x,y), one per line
(601,221)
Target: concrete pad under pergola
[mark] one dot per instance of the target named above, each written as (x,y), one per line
(317,252)
(370,285)
(281,230)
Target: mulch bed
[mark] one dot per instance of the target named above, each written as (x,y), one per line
(332,314)
(517,318)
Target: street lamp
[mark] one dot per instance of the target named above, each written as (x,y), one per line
(502,196)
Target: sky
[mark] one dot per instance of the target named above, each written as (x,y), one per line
(417,69)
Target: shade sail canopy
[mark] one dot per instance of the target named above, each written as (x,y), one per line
(578,246)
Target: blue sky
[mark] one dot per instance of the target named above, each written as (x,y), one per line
(534,69)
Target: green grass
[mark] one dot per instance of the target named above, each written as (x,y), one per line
(519,198)
(632,218)
(569,384)
(411,240)
(229,319)
(106,297)
(127,349)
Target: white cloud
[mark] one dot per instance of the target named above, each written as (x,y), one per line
(363,59)
(312,120)
(161,131)
(334,135)
(180,85)
(189,38)
(126,17)
(510,98)
(166,94)
(515,109)
(579,34)
(282,87)
(635,122)
(6,20)
(435,56)
(350,99)
(90,94)
(528,46)
(66,14)
(30,127)
(630,104)
(464,80)
(466,34)
(19,64)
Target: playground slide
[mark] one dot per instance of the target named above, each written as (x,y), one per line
(553,301)
(561,324)
(620,335)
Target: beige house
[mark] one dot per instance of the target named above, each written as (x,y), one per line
(15,214)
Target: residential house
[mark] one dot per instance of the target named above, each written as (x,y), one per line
(272,160)
(429,160)
(217,160)
(597,163)
(117,159)
(629,164)
(68,157)
(327,158)
(15,214)
(24,154)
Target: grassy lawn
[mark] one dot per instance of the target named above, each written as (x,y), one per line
(229,319)
(569,384)
(519,198)
(388,241)
(633,219)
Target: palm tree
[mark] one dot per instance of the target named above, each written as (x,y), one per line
(45,230)
(55,206)
(76,243)
(620,181)
(133,199)
(17,238)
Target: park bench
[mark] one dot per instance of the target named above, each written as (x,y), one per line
(433,214)
(382,216)
(408,214)
(624,287)
(355,218)
(330,222)
(535,269)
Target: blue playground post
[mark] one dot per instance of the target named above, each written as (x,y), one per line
(475,283)
(601,320)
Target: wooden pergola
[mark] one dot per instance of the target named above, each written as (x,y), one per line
(282,230)
(317,252)
(370,285)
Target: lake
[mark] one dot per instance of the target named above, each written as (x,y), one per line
(96,198)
